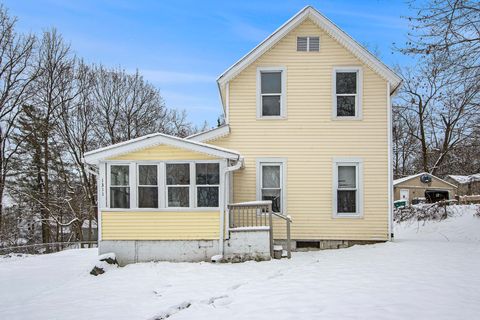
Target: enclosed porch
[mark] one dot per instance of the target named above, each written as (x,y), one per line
(166,198)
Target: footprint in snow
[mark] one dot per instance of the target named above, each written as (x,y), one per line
(276,275)
(161,291)
(236,286)
(222,300)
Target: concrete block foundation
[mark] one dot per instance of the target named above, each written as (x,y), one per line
(242,246)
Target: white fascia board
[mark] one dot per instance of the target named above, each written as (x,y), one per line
(329,27)
(401,180)
(211,134)
(262,47)
(157,139)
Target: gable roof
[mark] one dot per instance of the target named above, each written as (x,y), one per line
(465,179)
(398,181)
(329,27)
(155,139)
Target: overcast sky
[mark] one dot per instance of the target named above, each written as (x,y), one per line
(182,46)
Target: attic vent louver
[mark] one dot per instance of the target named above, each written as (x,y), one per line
(308,44)
(314,44)
(302,43)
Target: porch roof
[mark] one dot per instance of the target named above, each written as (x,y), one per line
(154,139)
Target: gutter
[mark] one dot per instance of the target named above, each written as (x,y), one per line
(221,247)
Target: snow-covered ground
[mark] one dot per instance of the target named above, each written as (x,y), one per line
(431,271)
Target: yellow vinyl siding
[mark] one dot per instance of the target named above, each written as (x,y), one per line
(310,139)
(163,152)
(130,225)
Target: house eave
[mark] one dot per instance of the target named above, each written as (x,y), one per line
(151,140)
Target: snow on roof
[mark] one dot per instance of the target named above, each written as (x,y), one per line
(154,139)
(398,181)
(465,179)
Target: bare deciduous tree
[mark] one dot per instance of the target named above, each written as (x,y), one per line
(449,28)
(16,74)
(439,109)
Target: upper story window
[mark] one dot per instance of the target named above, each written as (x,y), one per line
(147,186)
(119,186)
(310,44)
(271,92)
(178,184)
(208,183)
(347,88)
(347,188)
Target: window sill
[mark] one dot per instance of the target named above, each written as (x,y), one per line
(348,216)
(272,118)
(184,209)
(359,118)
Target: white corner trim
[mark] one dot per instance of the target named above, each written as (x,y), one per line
(354,161)
(390,165)
(283,162)
(155,139)
(283,95)
(211,134)
(358,96)
(330,28)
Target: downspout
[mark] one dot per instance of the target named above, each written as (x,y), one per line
(221,245)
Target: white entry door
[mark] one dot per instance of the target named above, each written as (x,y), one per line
(404,194)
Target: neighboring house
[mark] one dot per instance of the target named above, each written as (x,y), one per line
(423,187)
(308,122)
(467,185)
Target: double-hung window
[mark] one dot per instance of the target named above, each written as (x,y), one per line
(270,183)
(178,184)
(347,92)
(207,184)
(147,186)
(347,188)
(119,186)
(271,92)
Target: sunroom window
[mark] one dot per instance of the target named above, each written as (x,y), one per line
(347,93)
(147,186)
(119,186)
(178,184)
(208,182)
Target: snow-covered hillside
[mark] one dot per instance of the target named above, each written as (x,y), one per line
(429,272)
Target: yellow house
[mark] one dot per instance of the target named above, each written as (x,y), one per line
(307,139)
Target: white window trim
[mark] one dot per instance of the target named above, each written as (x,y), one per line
(159,181)
(131,184)
(308,43)
(358,162)
(283,173)
(358,95)
(283,95)
(162,187)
